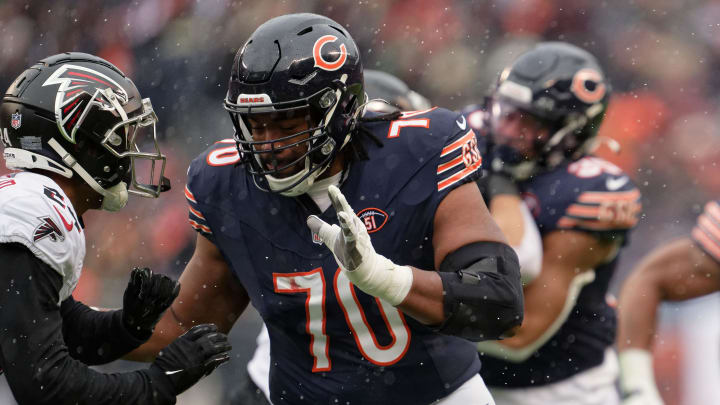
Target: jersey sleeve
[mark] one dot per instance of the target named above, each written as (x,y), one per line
(47,228)
(205,174)
(706,232)
(459,161)
(608,203)
(195,216)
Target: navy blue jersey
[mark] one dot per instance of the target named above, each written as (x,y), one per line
(589,195)
(706,232)
(330,342)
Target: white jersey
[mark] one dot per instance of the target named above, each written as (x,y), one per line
(35,212)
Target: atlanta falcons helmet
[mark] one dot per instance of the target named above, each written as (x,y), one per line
(296,63)
(77,114)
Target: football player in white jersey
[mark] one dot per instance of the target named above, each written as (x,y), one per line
(72,126)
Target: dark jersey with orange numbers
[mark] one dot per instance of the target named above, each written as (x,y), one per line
(330,342)
(589,195)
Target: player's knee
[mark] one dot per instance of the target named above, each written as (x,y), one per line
(483,292)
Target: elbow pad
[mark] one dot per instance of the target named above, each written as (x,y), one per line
(482,292)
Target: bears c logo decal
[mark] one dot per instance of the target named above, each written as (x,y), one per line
(588,86)
(320,61)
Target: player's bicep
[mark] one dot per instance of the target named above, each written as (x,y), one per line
(460,219)
(209,292)
(682,271)
(569,259)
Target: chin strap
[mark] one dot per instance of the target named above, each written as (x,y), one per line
(114,198)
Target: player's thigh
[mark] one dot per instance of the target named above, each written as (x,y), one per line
(472,392)
(596,386)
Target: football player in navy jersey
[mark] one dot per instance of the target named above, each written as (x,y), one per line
(377,309)
(542,118)
(679,270)
(73,127)
(386,93)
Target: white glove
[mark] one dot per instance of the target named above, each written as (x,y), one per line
(351,245)
(637,382)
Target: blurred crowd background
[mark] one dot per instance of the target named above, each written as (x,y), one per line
(662,58)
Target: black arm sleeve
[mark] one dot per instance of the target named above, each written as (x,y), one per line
(95,337)
(33,354)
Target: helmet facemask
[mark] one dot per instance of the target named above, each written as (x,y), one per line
(330,123)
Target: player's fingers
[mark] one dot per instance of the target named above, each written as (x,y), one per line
(338,200)
(325,231)
(346,224)
(198,331)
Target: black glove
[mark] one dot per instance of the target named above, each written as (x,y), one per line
(189,358)
(496,183)
(146,297)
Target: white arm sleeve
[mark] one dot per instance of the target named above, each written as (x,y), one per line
(530,251)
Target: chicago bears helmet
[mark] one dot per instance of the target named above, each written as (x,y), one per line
(557,88)
(296,64)
(77,114)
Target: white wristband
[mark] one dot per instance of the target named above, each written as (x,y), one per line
(636,374)
(385,280)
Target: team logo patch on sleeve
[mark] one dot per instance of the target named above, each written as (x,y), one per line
(373,218)
(48,228)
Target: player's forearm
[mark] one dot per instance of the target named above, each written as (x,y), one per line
(637,307)
(424,302)
(165,332)
(95,337)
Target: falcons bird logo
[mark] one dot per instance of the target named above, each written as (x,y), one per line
(79,87)
(48,228)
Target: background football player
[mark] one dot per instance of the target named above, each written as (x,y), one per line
(296,98)
(678,270)
(74,125)
(543,116)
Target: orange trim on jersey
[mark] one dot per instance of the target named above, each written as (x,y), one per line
(599,197)
(369,328)
(459,175)
(709,226)
(709,245)
(229,140)
(199,226)
(713,210)
(595,225)
(189,195)
(196,213)
(578,210)
(449,165)
(458,144)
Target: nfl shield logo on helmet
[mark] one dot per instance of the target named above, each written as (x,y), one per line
(16,120)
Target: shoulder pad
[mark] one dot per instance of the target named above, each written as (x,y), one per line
(36,213)
(210,175)
(603,197)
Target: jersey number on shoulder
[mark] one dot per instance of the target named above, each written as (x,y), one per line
(397,125)
(224,156)
(313,284)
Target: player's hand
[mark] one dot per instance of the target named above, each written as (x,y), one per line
(146,297)
(637,383)
(189,358)
(351,245)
